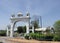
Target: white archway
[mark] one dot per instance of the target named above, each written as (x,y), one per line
(19,18)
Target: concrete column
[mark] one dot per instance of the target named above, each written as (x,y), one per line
(12,30)
(7,33)
(27,28)
(32,29)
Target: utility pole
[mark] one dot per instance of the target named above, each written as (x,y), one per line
(40,21)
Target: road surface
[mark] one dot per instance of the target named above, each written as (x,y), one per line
(19,40)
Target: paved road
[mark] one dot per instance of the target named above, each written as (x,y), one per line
(15,40)
(4,40)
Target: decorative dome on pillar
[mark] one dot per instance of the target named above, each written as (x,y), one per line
(12,15)
(9,26)
(19,14)
(28,14)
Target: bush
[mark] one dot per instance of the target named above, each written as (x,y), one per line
(34,35)
(42,37)
(26,36)
(2,33)
(15,34)
(56,38)
(49,37)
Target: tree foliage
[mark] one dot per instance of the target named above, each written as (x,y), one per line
(21,29)
(57,26)
(48,31)
(2,32)
(35,24)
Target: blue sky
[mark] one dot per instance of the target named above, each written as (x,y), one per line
(48,9)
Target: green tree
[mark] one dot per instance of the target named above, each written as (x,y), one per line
(24,29)
(21,29)
(57,27)
(2,32)
(57,30)
(35,24)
